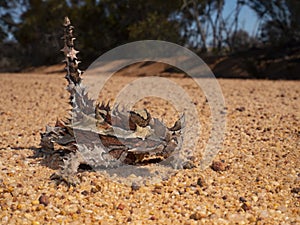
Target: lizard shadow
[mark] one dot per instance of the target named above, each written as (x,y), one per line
(54,161)
(38,153)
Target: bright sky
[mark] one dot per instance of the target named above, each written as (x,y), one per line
(247,20)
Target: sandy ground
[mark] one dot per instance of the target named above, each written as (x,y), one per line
(258,181)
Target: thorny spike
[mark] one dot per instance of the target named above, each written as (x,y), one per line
(126,137)
(107,105)
(67,21)
(73,73)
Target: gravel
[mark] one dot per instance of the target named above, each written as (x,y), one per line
(254,179)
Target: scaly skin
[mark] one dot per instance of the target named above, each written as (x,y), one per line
(126,138)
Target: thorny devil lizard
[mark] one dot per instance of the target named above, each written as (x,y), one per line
(126,137)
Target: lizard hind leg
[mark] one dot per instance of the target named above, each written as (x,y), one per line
(68,171)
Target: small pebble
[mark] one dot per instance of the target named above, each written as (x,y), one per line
(296,190)
(152,218)
(85,193)
(242,199)
(218,166)
(121,206)
(135,187)
(197,216)
(201,182)
(189,165)
(96,188)
(43,199)
(157,190)
(35,202)
(246,206)
(241,109)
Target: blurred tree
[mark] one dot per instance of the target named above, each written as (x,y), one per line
(155,27)
(216,22)
(3,23)
(104,24)
(100,25)
(39,30)
(8,10)
(131,19)
(280,20)
(91,27)
(3,34)
(193,12)
(240,41)
(204,20)
(110,23)
(11,53)
(231,28)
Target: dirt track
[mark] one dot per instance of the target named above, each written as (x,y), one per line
(261,152)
